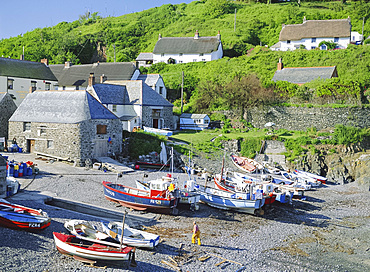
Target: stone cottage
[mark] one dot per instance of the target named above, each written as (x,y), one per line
(66,125)
(7,108)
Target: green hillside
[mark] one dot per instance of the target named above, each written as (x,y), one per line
(248,64)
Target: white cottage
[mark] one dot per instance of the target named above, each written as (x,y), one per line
(311,33)
(194,121)
(187,49)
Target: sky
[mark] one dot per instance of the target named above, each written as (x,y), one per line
(20,16)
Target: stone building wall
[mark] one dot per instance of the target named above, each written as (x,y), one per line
(73,142)
(7,108)
(166,114)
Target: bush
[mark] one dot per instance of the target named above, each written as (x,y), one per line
(347,135)
(249,147)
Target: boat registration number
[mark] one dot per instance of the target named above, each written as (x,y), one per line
(34,225)
(158,202)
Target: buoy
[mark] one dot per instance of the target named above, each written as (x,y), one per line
(137,167)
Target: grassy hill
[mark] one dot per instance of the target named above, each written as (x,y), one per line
(248,65)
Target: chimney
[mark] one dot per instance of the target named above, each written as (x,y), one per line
(67,64)
(103,78)
(219,36)
(22,57)
(304,19)
(91,80)
(280,65)
(45,61)
(159,37)
(196,36)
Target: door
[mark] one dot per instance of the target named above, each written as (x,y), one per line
(100,148)
(30,146)
(155,123)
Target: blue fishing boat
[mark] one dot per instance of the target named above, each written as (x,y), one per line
(241,202)
(162,201)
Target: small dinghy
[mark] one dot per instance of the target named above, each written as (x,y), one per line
(131,236)
(83,250)
(21,217)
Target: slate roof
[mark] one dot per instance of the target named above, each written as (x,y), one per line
(144,56)
(60,107)
(2,95)
(25,69)
(111,94)
(193,115)
(78,75)
(186,45)
(149,79)
(316,29)
(303,75)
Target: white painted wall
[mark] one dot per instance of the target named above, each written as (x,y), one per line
(186,58)
(21,87)
(309,44)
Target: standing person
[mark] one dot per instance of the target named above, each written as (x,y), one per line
(196,233)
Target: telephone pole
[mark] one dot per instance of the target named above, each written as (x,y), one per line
(182,89)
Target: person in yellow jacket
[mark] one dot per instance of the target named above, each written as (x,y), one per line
(196,233)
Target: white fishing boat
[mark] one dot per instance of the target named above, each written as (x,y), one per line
(131,236)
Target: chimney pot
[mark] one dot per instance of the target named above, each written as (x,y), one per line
(91,80)
(22,57)
(67,64)
(196,36)
(45,61)
(280,65)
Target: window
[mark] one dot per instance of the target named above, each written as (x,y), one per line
(194,60)
(201,55)
(114,108)
(336,39)
(10,83)
(101,129)
(160,90)
(288,41)
(27,126)
(162,55)
(56,86)
(156,113)
(313,40)
(180,54)
(50,144)
(41,130)
(313,47)
(33,85)
(203,59)
(47,86)
(180,61)
(77,87)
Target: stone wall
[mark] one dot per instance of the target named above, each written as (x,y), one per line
(7,108)
(73,142)
(301,118)
(166,115)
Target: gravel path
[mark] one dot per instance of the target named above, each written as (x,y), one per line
(330,231)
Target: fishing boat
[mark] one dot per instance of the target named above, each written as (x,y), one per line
(188,196)
(246,164)
(21,217)
(82,249)
(320,179)
(241,202)
(151,165)
(271,169)
(232,184)
(131,236)
(161,201)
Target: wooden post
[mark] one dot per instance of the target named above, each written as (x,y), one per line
(123,229)
(182,89)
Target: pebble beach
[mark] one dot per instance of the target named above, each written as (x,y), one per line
(329,231)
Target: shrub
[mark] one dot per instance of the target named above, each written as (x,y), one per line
(249,147)
(347,135)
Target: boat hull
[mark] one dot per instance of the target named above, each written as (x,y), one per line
(131,198)
(21,217)
(230,201)
(71,245)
